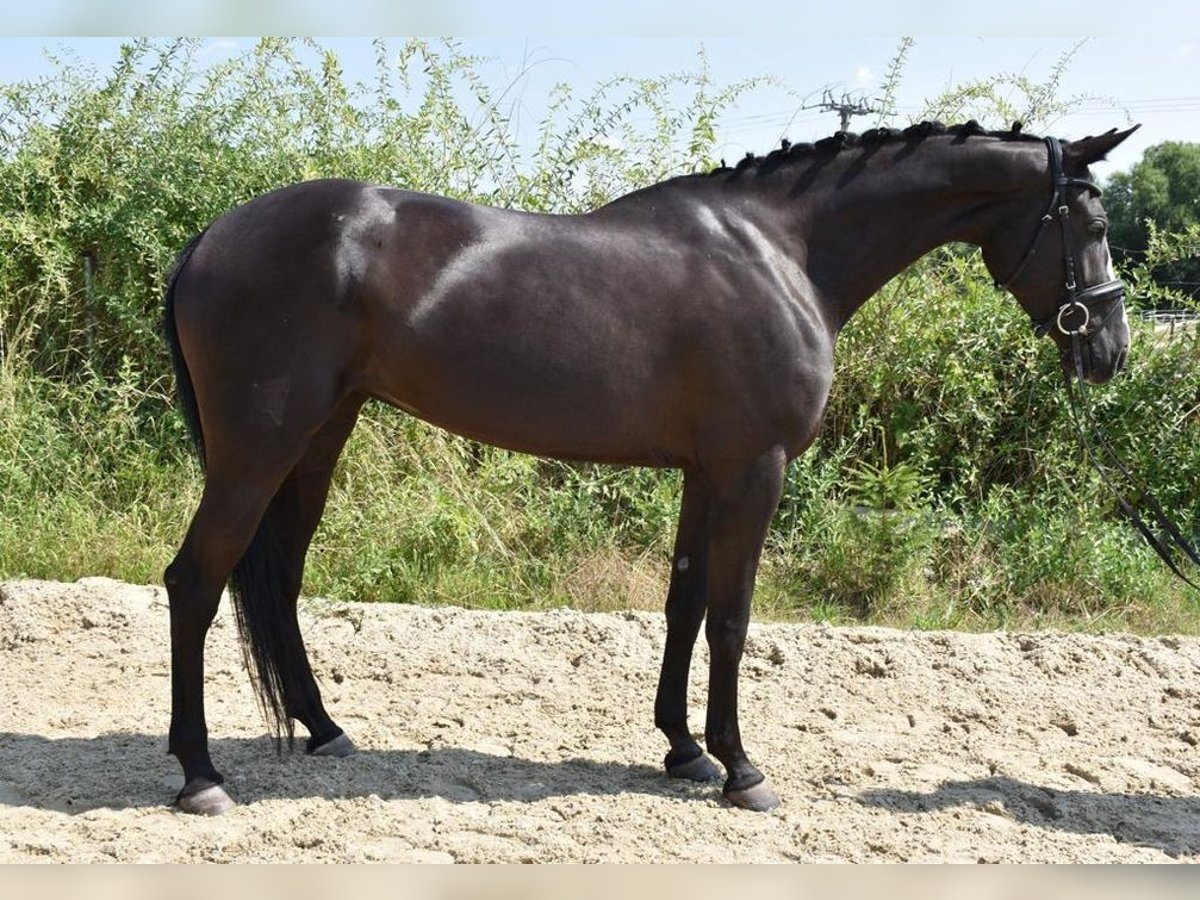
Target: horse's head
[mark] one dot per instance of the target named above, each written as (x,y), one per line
(1054,258)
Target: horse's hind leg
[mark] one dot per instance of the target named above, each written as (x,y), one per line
(232,505)
(293,517)
(686,602)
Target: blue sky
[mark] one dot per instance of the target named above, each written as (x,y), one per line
(1119,80)
(655,18)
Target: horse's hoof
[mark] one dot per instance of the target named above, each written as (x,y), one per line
(757,798)
(698,768)
(340,747)
(212,801)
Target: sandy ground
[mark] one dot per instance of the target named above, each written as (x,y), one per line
(528,737)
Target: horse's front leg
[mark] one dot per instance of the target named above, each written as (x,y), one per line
(744,502)
(686,602)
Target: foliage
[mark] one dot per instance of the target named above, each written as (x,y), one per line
(886,102)
(881,536)
(945,490)
(1159,195)
(1007,97)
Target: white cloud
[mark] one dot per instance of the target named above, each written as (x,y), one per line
(220,47)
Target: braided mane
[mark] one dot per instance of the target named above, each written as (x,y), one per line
(875,137)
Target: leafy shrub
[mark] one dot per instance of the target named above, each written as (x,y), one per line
(946,488)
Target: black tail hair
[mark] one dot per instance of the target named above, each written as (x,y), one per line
(183,379)
(274,656)
(259,582)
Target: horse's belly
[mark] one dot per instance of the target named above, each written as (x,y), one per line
(562,405)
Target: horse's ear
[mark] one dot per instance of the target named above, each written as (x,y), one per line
(1093,149)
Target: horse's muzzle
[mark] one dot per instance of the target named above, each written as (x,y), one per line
(1097,357)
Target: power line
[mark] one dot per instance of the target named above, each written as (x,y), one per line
(845,108)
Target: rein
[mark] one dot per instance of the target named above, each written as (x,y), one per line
(1081,414)
(1078,304)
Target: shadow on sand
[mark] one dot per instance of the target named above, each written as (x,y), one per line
(117,771)
(1170,824)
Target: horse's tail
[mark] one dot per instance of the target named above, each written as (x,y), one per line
(275,657)
(259,581)
(183,378)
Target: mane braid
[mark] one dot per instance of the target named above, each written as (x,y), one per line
(875,137)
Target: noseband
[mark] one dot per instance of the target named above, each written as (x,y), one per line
(1077,303)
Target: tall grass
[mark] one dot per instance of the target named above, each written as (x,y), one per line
(945,490)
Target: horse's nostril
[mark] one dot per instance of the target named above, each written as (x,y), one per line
(1121,359)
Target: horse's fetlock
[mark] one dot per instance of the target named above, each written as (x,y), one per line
(719,741)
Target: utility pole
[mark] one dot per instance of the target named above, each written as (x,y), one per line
(845,108)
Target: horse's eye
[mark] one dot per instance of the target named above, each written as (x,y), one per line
(1098,227)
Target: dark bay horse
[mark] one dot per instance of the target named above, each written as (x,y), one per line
(689,324)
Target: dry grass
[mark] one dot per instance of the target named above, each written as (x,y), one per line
(607,580)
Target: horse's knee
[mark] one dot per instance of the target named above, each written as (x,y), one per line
(726,635)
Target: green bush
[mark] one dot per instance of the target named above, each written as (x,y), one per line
(947,488)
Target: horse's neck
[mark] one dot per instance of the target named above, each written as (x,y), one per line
(865,216)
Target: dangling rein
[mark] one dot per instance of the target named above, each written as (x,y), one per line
(1081,414)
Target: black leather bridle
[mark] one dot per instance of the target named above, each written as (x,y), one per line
(1076,303)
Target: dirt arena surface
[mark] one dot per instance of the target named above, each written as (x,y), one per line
(528,737)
